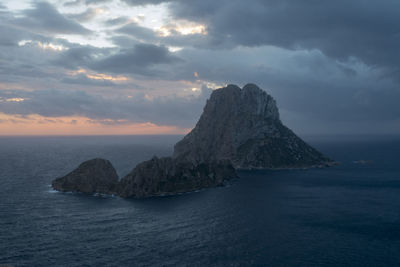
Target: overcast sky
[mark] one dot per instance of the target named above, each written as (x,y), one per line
(148,66)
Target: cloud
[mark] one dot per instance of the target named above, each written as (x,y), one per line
(145,2)
(87,15)
(140,60)
(79,56)
(82,79)
(139,108)
(117,21)
(324,61)
(305,83)
(89,2)
(85,2)
(24,55)
(327,63)
(136,58)
(138,32)
(44,18)
(339,29)
(365,30)
(28,55)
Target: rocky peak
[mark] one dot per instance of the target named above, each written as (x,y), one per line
(243,126)
(232,100)
(257,102)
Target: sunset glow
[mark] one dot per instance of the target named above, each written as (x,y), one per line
(40,125)
(98,76)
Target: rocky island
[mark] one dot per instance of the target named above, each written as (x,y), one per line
(92,176)
(243,126)
(167,176)
(239,129)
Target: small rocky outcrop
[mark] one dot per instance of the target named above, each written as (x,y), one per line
(165,176)
(243,126)
(92,176)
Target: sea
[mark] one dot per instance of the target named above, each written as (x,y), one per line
(347,215)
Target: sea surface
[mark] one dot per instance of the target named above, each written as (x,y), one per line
(348,215)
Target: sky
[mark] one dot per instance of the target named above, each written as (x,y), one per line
(86,67)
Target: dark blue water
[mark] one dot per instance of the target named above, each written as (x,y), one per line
(348,215)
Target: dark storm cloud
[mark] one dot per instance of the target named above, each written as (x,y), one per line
(304,83)
(136,58)
(356,78)
(167,110)
(80,56)
(140,59)
(44,18)
(369,30)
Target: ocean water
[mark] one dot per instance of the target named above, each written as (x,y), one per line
(348,215)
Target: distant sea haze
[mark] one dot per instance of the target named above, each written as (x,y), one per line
(347,215)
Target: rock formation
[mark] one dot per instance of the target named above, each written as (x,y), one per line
(243,126)
(239,128)
(92,176)
(164,176)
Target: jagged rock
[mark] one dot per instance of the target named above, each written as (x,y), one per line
(243,126)
(165,176)
(92,176)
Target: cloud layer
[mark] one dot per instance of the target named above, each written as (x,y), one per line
(332,66)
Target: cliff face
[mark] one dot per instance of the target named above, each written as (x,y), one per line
(243,126)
